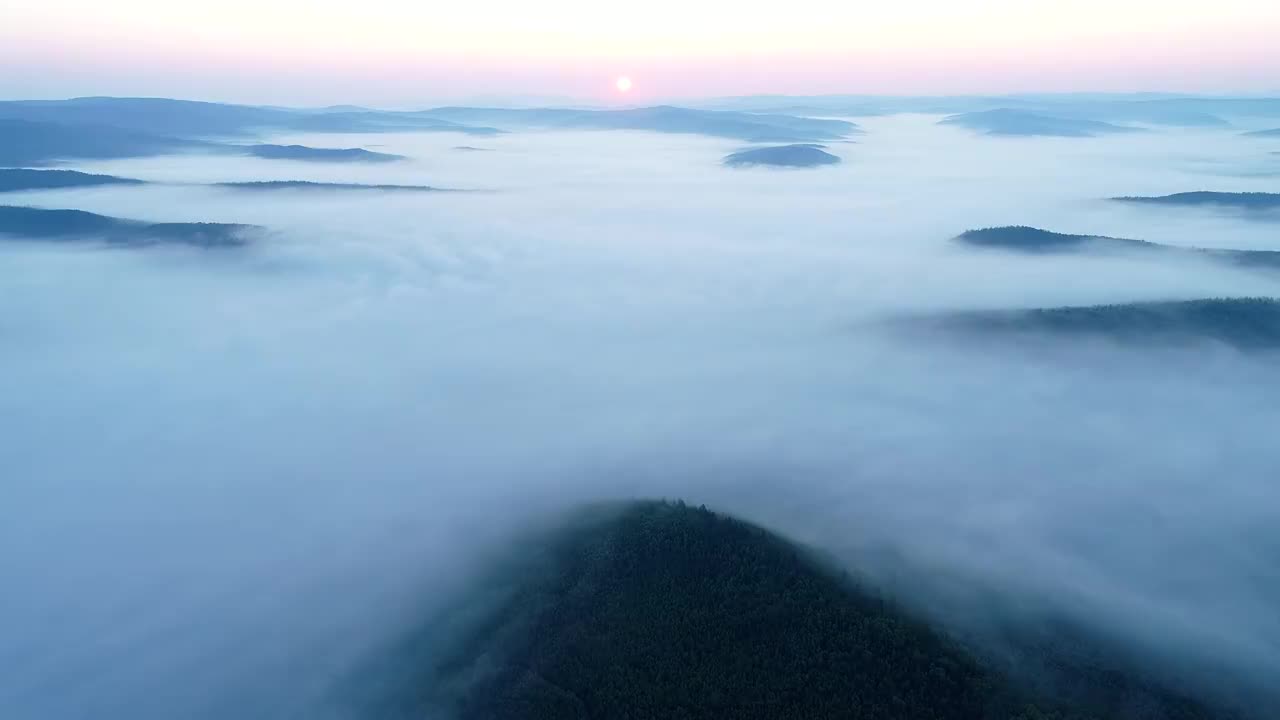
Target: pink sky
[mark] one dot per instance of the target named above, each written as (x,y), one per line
(395,53)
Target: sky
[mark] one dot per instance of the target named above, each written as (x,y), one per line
(406,53)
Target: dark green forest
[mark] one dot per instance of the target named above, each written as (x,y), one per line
(1237,200)
(1244,323)
(662,610)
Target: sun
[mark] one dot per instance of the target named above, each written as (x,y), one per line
(623,84)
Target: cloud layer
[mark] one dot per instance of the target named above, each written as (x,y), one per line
(230,478)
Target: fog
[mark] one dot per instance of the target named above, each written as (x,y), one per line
(227,477)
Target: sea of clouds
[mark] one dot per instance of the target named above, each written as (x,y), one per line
(228,476)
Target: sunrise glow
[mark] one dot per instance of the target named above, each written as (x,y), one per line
(394,52)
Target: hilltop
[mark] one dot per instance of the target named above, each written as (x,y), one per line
(801,155)
(311,154)
(655,610)
(1010,122)
(1243,323)
(1022,239)
(80,226)
(14,179)
(1202,198)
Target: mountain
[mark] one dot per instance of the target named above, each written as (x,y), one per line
(308,185)
(803,155)
(205,120)
(655,610)
(1028,239)
(1142,108)
(158,116)
(13,179)
(1264,133)
(35,143)
(1009,122)
(1251,201)
(38,132)
(750,127)
(375,121)
(1244,323)
(202,120)
(1034,240)
(310,154)
(77,225)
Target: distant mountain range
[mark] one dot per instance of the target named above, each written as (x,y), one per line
(34,133)
(1140,108)
(30,142)
(378,121)
(802,155)
(38,143)
(751,127)
(217,121)
(1004,121)
(1034,240)
(79,226)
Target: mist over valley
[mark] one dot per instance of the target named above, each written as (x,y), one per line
(1033,422)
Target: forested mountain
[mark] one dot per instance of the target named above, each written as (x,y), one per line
(1253,201)
(1011,122)
(80,226)
(1245,323)
(801,155)
(662,610)
(14,179)
(1031,240)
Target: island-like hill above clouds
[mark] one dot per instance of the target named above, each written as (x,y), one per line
(309,185)
(311,154)
(14,179)
(655,610)
(1243,323)
(26,223)
(802,155)
(22,179)
(1009,122)
(1264,133)
(1036,241)
(1262,202)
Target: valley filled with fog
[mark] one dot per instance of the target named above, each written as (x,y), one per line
(230,475)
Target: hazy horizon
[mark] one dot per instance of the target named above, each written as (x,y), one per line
(628,101)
